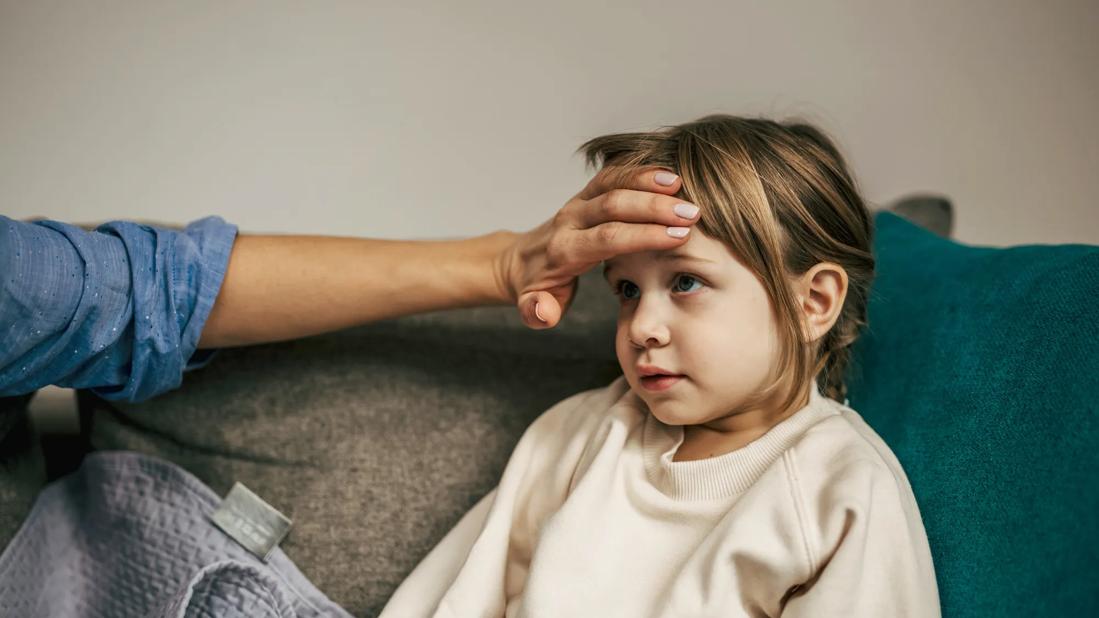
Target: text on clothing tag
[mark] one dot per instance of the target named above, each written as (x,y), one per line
(250,521)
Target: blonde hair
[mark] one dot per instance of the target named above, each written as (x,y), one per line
(779,195)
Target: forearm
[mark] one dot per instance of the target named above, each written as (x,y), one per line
(284,287)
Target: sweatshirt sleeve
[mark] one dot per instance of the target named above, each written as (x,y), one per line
(118,310)
(420,592)
(870,549)
(482,563)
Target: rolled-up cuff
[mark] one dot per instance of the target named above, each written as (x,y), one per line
(176,279)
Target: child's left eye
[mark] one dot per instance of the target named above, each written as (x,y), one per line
(684,283)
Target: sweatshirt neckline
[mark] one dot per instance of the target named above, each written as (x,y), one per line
(729,474)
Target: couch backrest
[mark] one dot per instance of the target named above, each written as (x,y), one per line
(979,370)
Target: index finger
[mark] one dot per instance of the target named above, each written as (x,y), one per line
(634,207)
(608,240)
(653,180)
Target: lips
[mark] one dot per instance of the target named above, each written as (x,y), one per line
(655,378)
(660,382)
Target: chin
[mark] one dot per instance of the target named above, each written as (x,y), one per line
(671,413)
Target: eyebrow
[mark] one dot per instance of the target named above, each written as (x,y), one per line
(665,257)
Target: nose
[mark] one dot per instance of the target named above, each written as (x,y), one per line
(648,328)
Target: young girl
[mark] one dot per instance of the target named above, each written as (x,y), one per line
(720,475)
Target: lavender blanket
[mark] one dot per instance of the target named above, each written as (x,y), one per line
(130,535)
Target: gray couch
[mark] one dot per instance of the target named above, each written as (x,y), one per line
(373,440)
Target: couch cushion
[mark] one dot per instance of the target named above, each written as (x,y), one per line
(980,370)
(374,440)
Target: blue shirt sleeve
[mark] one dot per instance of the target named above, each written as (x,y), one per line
(118,310)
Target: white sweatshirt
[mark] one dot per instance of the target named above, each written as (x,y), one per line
(593,518)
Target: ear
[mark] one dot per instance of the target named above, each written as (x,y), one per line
(821,292)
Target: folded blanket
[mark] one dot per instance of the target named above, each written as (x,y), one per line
(130,535)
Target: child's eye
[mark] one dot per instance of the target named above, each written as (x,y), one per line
(627,290)
(685,283)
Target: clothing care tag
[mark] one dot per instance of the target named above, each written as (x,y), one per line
(250,521)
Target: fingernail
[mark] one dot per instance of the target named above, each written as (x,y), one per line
(539,313)
(677,232)
(687,211)
(665,178)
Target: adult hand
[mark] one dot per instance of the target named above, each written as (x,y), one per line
(612,215)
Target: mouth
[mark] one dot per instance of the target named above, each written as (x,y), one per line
(655,378)
(660,382)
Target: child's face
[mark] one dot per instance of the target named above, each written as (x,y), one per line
(696,312)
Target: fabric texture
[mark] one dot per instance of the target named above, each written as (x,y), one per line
(374,440)
(119,310)
(129,535)
(22,466)
(980,369)
(813,518)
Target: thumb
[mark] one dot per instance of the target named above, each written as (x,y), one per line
(539,310)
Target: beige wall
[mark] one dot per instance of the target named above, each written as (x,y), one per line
(424,119)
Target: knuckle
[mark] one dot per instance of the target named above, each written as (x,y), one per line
(556,251)
(607,233)
(596,185)
(614,203)
(562,217)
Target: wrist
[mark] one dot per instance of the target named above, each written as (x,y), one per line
(501,249)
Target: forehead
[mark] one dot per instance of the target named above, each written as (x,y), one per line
(699,248)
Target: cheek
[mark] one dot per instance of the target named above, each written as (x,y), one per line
(732,344)
(622,348)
